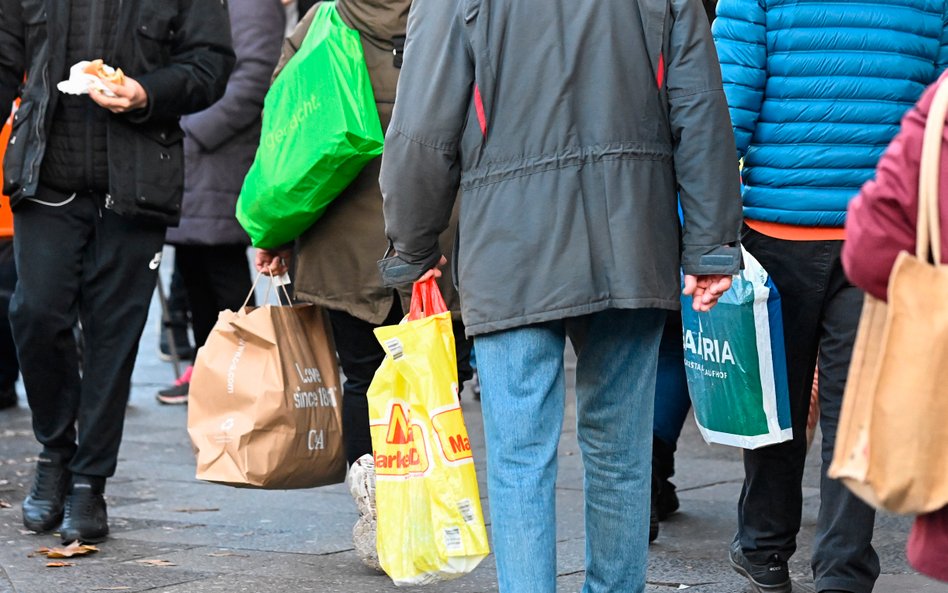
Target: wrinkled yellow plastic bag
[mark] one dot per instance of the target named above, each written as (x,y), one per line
(430,523)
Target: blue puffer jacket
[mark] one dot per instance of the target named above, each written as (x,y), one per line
(816,90)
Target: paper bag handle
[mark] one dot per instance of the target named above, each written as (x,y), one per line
(426,300)
(928,229)
(253,289)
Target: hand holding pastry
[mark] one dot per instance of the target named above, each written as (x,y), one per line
(129,96)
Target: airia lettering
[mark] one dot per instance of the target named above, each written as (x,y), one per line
(709,349)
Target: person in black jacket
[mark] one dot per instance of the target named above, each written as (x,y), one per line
(94,180)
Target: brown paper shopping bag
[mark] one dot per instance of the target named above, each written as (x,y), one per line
(264,407)
(892,446)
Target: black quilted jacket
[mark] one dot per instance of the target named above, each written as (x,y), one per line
(181,54)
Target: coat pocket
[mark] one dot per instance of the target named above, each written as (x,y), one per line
(17,147)
(149,186)
(155,33)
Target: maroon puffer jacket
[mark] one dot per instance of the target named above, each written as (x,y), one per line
(881,219)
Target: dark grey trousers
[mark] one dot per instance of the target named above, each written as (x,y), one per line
(820,315)
(80,262)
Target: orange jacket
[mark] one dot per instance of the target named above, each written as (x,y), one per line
(6,215)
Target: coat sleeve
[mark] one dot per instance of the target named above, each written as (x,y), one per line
(882,218)
(12,62)
(202,58)
(258,27)
(707,171)
(741,37)
(292,44)
(942,62)
(420,165)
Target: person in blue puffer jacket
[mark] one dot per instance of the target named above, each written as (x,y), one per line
(816,91)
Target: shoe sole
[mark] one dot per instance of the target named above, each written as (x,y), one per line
(168,358)
(173,400)
(44,528)
(759,587)
(98,539)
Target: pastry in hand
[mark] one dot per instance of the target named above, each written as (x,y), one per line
(102,71)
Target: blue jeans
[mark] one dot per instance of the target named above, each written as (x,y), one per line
(522,397)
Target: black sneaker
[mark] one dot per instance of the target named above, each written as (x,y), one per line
(85,518)
(177,394)
(772,577)
(43,507)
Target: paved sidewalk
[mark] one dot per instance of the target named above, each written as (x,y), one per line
(220,539)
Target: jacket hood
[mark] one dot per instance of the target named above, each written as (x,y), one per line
(379,20)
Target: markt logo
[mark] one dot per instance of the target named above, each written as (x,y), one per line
(448,424)
(400,444)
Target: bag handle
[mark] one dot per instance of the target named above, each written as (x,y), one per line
(253,289)
(928,227)
(426,300)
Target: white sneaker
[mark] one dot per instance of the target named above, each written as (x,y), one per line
(361,480)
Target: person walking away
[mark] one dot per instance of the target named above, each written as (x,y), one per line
(93,181)
(571,128)
(335,266)
(219,146)
(880,224)
(816,91)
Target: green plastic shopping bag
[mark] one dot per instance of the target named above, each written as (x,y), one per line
(320,128)
(735,363)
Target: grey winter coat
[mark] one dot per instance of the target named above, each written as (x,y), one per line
(571,127)
(221,141)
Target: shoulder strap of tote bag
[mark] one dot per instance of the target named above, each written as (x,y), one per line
(928,237)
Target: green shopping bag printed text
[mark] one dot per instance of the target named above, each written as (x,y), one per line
(735,363)
(320,128)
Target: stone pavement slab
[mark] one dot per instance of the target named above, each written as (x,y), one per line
(220,539)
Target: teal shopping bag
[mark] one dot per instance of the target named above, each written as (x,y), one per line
(735,362)
(320,128)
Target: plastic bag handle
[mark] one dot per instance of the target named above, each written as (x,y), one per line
(426,300)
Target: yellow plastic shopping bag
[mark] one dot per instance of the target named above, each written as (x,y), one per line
(430,524)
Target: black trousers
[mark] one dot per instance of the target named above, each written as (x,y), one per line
(216,277)
(360,355)
(820,315)
(9,367)
(80,261)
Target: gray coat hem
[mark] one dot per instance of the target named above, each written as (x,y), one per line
(496,325)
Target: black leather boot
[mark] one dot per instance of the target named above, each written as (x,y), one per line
(85,517)
(663,467)
(43,507)
(653,525)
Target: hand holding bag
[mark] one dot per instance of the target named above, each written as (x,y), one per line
(736,364)
(892,446)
